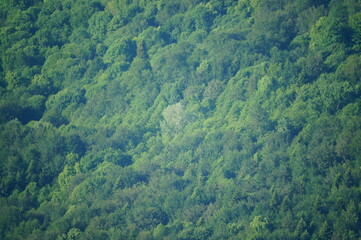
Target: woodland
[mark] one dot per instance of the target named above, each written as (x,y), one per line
(180,119)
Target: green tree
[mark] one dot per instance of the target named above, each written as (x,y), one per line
(98,25)
(355,24)
(325,232)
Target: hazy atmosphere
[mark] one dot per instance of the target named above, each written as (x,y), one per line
(180,119)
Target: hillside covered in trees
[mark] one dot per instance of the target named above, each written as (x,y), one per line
(180,119)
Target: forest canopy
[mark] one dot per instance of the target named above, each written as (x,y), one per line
(180,119)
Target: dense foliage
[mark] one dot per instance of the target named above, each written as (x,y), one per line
(180,119)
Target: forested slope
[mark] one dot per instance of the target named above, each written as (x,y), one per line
(180,119)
